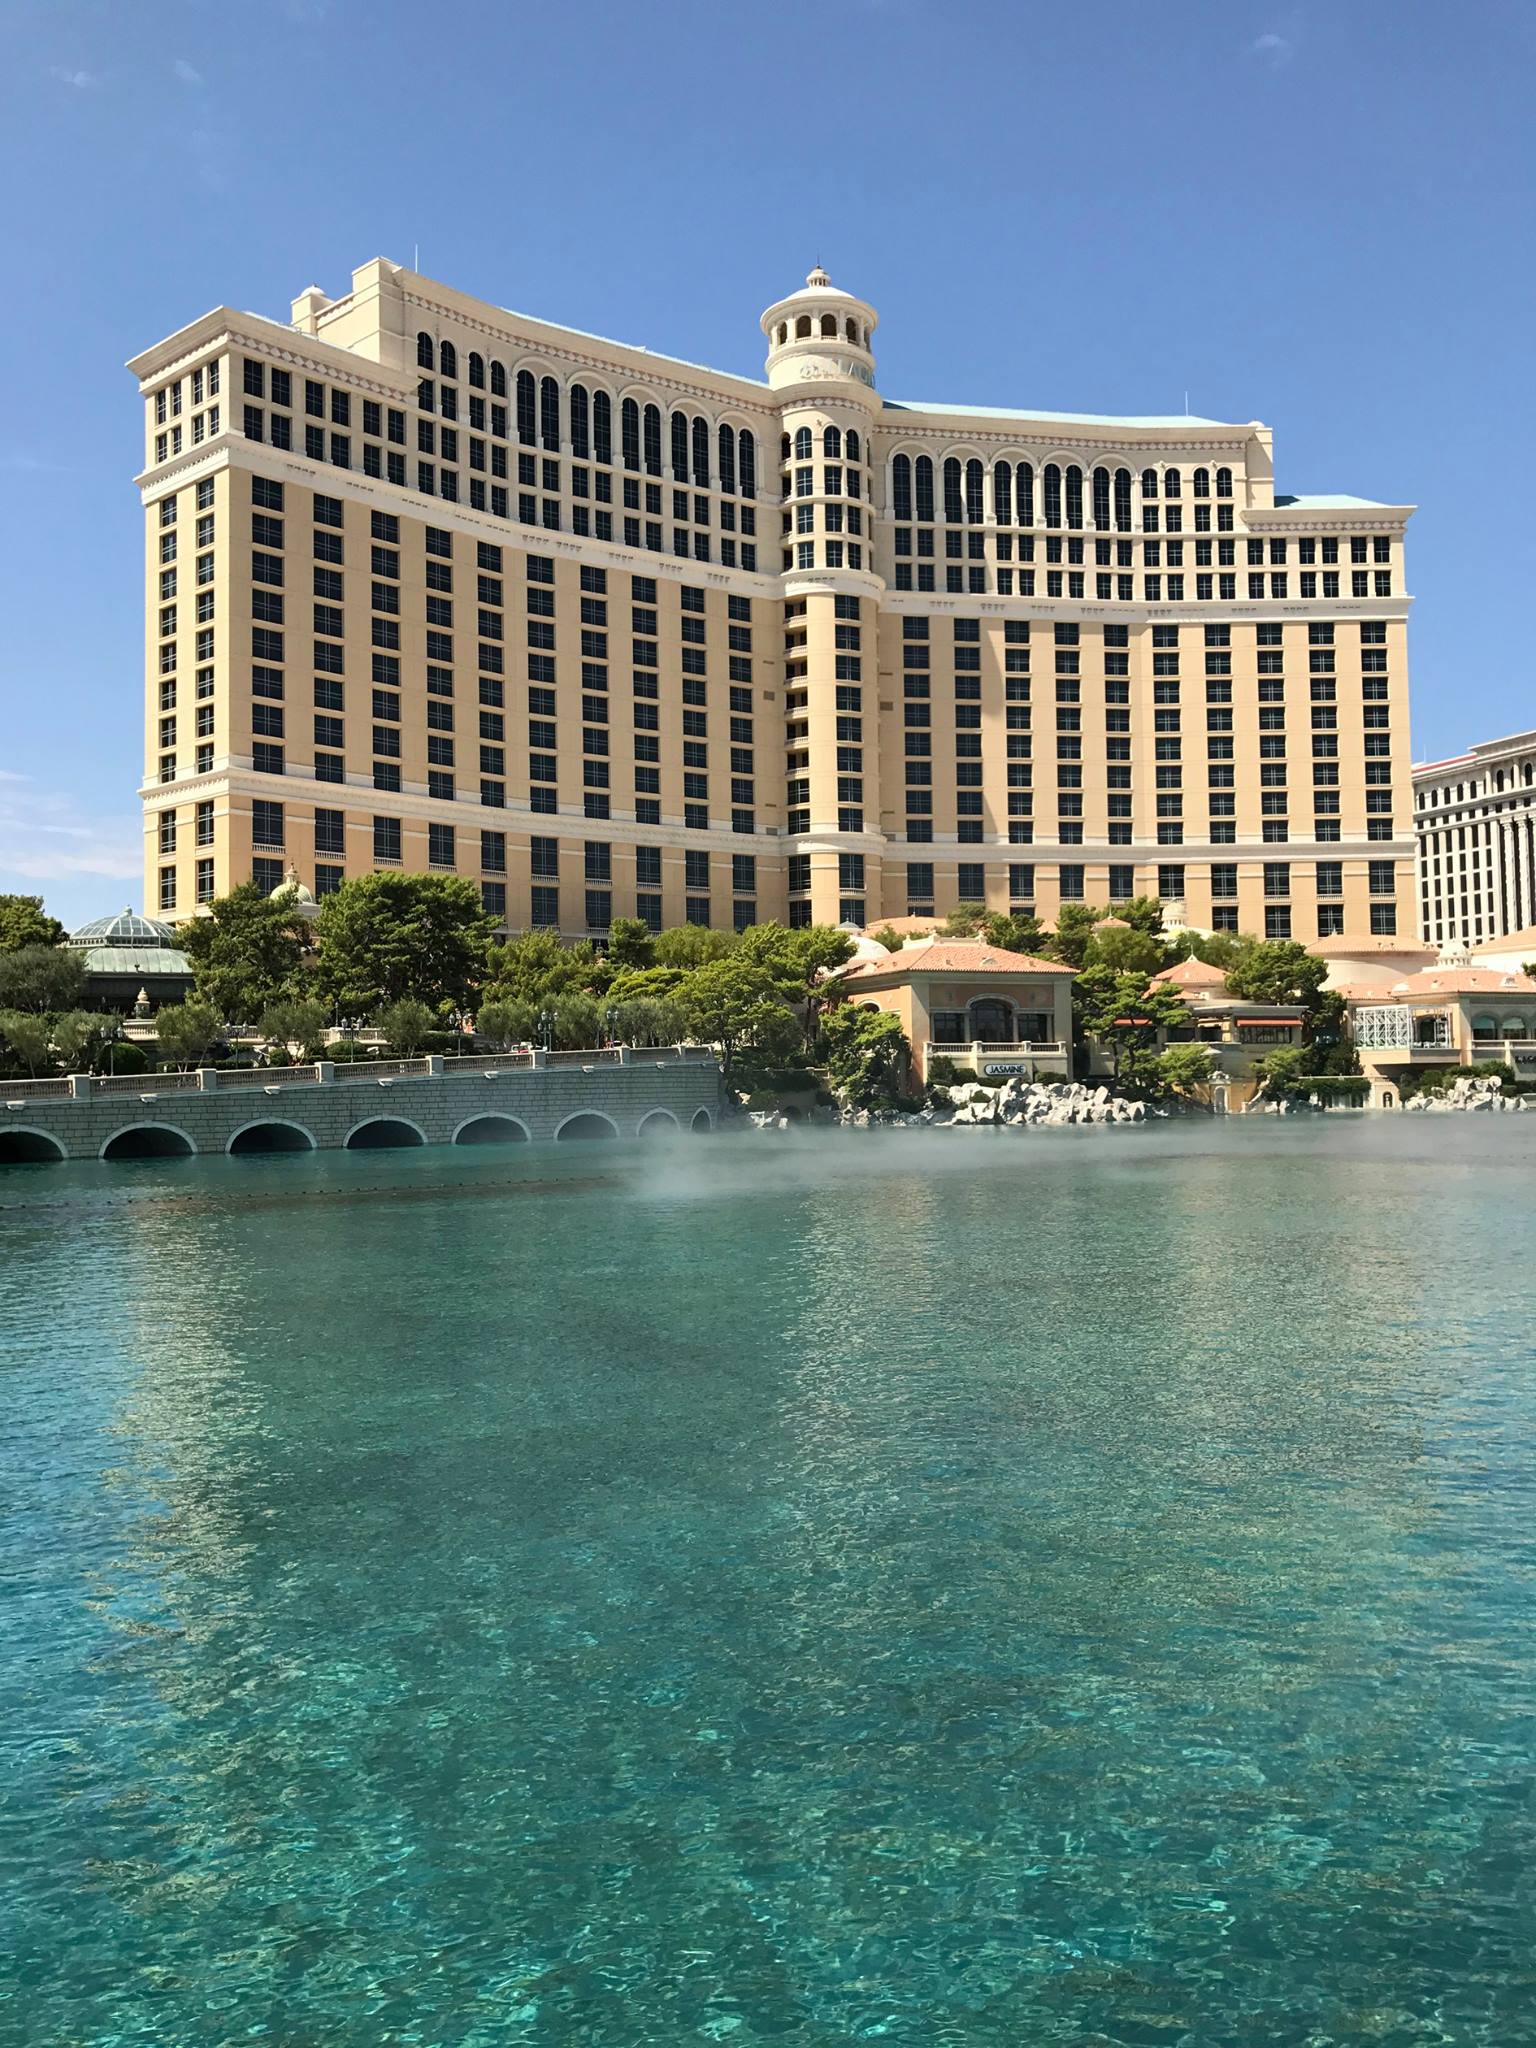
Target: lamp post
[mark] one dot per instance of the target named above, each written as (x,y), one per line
(546,1027)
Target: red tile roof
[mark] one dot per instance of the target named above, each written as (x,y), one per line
(954,956)
(1462,981)
(1192,973)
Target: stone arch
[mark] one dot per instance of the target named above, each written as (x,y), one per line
(386,1131)
(492,1128)
(702,1123)
(585,1126)
(270,1134)
(148,1141)
(658,1123)
(21,1145)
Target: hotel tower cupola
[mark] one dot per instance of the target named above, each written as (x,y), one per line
(820,333)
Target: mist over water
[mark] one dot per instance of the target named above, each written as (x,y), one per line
(931,1588)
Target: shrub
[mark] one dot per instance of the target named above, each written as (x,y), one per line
(942,1072)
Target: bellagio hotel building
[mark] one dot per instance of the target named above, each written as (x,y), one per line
(434,586)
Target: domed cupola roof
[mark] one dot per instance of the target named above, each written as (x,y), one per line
(818,333)
(291,890)
(127,928)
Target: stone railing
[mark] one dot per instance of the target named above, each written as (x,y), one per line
(342,1073)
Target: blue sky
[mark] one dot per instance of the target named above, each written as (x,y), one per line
(1319,215)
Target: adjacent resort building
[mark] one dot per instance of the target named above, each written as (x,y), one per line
(1475,824)
(434,585)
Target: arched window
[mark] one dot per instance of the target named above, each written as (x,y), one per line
(1515,1027)
(831,442)
(1024,480)
(973,504)
(922,479)
(629,433)
(602,427)
(1002,492)
(700,453)
(803,444)
(549,413)
(652,425)
(477,371)
(783,447)
(1122,501)
(447,360)
(580,407)
(746,460)
(829,326)
(953,512)
(726,443)
(783,332)
(850,329)
(1223,483)
(1101,500)
(426,395)
(498,380)
(1074,496)
(1173,484)
(802,327)
(426,355)
(901,487)
(1149,483)
(1202,483)
(1051,480)
(527,426)
(851,445)
(680,447)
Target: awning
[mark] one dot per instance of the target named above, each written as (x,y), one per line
(1266,1023)
(1131,1023)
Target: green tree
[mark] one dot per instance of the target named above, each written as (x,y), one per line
(1186,1069)
(866,1054)
(301,1022)
(646,984)
(187,1032)
(1073,933)
(1142,913)
(893,940)
(647,1021)
(390,938)
(735,1004)
(1278,971)
(798,961)
(1126,949)
(691,945)
(1019,933)
(964,921)
(247,953)
(536,968)
(29,1037)
(406,1024)
(1281,1071)
(24,922)
(78,1036)
(508,1021)
(577,1021)
(1124,1012)
(41,978)
(630,944)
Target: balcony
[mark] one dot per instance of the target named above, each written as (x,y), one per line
(1026,1059)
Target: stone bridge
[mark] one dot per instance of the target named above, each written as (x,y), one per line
(495,1098)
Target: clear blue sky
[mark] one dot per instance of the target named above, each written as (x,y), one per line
(1319,216)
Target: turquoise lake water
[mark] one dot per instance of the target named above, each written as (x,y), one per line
(1072,1588)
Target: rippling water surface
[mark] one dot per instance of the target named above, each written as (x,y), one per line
(1061,1589)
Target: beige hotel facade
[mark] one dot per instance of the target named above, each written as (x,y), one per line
(437,586)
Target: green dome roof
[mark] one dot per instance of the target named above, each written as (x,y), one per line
(127,928)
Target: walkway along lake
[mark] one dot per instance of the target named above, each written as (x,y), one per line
(824,1589)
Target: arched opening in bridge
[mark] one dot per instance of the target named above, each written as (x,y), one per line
(703,1123)
(491,1130)
(659,1124)
(587,1127)
(149,1141)
(29,1148)
(275,1136)
(381,1132)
